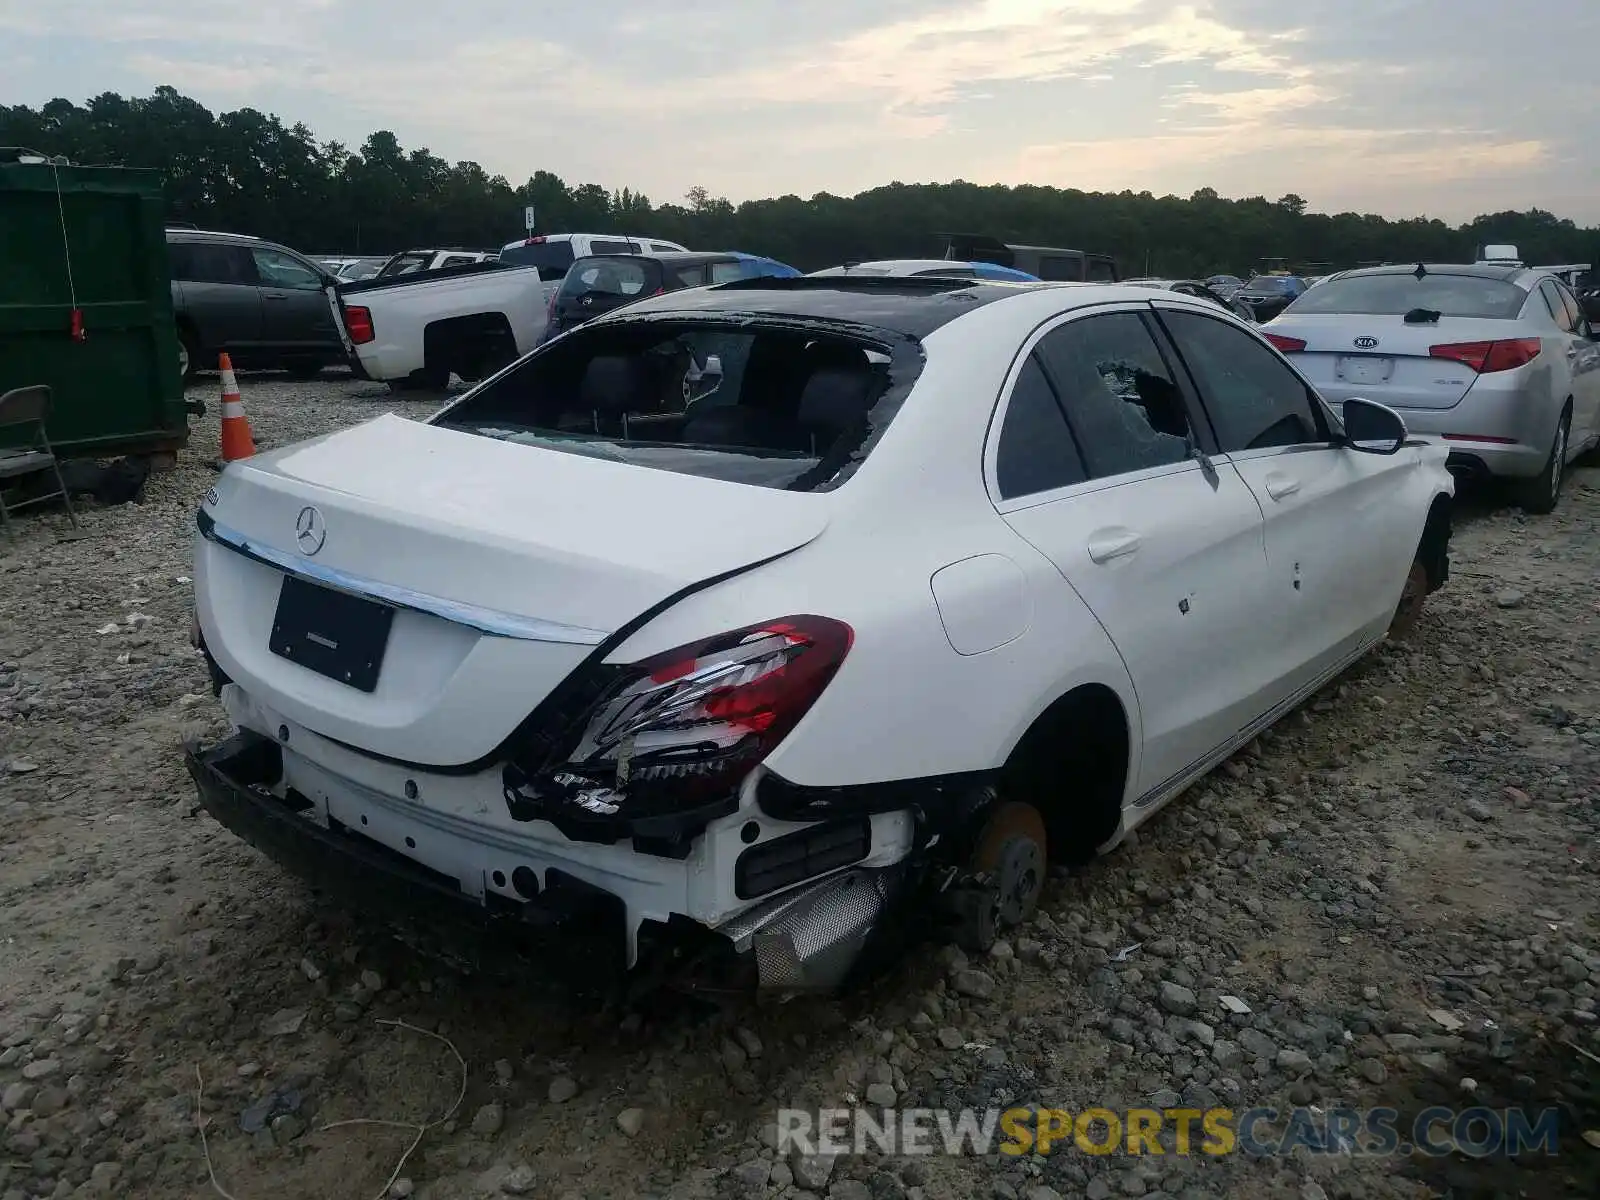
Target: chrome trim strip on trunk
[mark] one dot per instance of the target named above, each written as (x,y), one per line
(485,620)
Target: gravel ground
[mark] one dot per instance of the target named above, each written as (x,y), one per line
(1398,881)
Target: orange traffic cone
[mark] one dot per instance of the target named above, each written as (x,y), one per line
(237,441)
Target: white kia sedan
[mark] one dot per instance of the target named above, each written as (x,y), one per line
(765,616)
(1497,360)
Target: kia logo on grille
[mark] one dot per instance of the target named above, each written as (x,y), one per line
(310,531)
(1366,342)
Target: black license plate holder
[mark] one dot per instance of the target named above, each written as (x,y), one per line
(330,632)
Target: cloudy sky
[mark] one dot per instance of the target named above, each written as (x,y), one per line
(1443,107)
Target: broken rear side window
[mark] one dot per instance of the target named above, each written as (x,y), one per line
(781,405)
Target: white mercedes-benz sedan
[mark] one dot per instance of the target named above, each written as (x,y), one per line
(768,619)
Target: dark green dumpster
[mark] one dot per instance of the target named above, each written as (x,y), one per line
(86,305)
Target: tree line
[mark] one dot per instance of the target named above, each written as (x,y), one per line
(246,171)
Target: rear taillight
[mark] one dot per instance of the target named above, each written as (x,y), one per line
(359,322)
(695,720)
(534,241)
(1285,344)
(1486,357)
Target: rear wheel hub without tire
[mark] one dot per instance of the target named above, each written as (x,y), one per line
(1012,852)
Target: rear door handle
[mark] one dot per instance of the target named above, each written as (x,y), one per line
(1281,486)
(1106,544)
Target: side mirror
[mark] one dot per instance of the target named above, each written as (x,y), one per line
(1373,428)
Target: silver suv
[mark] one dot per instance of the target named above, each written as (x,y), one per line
(268,306)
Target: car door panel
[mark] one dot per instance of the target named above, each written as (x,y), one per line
(217,282)
(294,307)
(1165,550)
(1172,567)
(1338,546)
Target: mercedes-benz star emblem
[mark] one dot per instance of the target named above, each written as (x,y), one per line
(310,531)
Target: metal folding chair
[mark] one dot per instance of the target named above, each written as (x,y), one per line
(29,406)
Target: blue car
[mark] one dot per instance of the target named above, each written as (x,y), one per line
(986,270)
(755,266)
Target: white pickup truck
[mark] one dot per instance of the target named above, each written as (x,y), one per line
(415,331)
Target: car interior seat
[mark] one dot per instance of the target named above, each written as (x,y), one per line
(614,386)
(835,400)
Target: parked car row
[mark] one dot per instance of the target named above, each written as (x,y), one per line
(1203,291)
(470,322)
(1495,358)
(613,652)
(944,268)
(1268,295)
(412,318)
(351,269)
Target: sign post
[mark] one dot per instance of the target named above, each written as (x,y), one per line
(527,218)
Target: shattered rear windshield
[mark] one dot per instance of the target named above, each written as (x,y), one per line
(781,405)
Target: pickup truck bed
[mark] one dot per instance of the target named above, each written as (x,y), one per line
(417,330)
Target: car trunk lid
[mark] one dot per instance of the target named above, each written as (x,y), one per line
(1385,357)
(497,568)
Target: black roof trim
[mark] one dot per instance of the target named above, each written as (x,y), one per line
(849,283)
(909,306)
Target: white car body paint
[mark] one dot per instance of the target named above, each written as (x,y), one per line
(1206,598)
(983,602)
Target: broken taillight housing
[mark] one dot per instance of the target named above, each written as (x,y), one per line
(697,718)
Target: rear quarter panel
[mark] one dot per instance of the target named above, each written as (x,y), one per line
(905,704)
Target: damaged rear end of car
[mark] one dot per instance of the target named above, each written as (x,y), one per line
(421,632)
